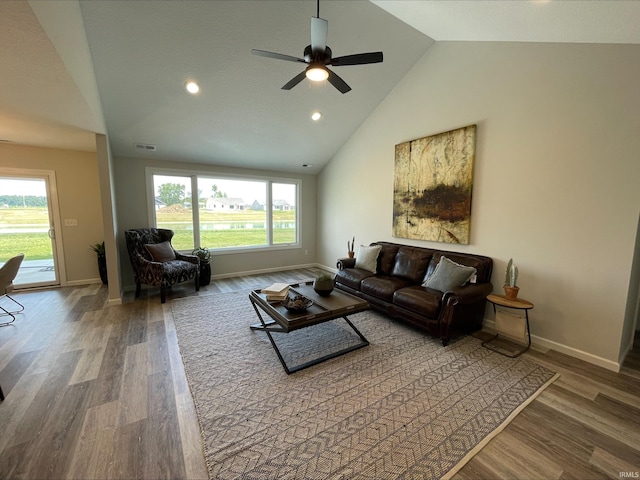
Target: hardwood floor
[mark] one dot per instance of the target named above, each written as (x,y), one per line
(99,392)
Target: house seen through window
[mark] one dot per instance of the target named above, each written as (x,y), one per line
(226,213)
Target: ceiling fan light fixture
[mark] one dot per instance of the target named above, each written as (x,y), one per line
(317,73)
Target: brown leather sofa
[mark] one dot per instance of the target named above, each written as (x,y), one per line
(396,288)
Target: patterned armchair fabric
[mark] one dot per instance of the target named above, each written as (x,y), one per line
(159,274)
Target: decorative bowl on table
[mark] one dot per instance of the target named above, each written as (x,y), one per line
(296,303)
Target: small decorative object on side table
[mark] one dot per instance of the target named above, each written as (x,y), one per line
(516,304)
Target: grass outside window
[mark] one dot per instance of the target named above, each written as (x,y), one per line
(37,245)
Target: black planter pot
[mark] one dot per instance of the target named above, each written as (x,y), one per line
(323,287)
(205,273)
(102,268)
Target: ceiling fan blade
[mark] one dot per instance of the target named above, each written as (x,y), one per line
(337,82)
(294,81)
(277,56)
(319,29)
(357,59)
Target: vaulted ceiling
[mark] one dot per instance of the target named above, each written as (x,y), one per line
(69,69)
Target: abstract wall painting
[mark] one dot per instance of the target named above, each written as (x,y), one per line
(433,180)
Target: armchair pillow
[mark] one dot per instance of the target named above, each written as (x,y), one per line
(161,252)
(449,274)
(367,258)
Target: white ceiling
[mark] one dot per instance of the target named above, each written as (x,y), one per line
(68,69)
(565,21)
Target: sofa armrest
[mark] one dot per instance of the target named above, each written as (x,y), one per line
(474,293)
(346,263)
(470,293)
(148,271)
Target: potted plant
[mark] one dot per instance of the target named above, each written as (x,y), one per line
(323,284)
(205,265)
(350,246)
(510,281)
(102,261)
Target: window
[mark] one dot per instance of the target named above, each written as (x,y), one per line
(172,203)
(225,213)
(284,212)
(232,213)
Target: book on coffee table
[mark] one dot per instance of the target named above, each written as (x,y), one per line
(276,291)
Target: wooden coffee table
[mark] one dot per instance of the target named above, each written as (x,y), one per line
(338,304)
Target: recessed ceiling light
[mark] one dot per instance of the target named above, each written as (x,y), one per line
(307,165)
(192,87)
(315,116)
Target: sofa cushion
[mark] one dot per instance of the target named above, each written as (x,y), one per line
(161,252)
(352,277)
(422,300)
(382,287)
(482,264)
(387,257)
(411,264)
(449,274)
(367,257)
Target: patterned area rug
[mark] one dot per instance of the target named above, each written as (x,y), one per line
(403,407)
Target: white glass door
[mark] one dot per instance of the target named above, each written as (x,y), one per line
(27,226)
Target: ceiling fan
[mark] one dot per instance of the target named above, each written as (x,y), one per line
(318,55)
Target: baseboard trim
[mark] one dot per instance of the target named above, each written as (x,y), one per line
(542,344)
(267,270)
(77,283)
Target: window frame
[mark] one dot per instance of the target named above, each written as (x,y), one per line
(193,175)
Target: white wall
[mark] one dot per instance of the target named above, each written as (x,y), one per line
(556,175)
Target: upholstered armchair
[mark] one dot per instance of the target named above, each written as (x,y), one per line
(155,261)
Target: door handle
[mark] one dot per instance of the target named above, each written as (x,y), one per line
(52,233)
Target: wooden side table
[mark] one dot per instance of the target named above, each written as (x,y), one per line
(517,304)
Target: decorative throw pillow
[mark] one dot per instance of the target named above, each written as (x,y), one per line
(449,274)
(367,257)
(160,252)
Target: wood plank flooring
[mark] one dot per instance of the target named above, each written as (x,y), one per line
(99,392)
